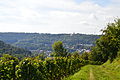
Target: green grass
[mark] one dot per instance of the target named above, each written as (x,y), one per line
(83,74)
(107,71)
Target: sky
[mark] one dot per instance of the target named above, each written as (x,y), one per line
(57,16)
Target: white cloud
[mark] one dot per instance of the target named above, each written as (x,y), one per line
(55,16)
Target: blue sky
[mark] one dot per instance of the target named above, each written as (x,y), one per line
(57,16)
(100,2)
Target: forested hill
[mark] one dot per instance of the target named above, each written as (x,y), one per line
(36,41)
(8,49)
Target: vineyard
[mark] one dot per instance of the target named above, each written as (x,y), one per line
(54,68)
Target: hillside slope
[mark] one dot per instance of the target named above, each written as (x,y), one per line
(107,71)
(34,41)
(8,49)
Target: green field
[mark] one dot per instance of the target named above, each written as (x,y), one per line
(107,71)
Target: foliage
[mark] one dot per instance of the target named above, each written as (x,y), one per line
(39,41)
(86,55)
(58,49)
(106,71)
(41,56)
(27,69)
(108,45)
(8,49)
(52,68)
(7,67)
(83,74)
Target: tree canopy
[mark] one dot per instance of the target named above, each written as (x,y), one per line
(9,49)
(58,49)
(108,45)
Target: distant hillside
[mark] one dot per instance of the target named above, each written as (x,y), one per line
(8,49)
(36,41)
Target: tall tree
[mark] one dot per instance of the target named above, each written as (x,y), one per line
(58,49)
(109,43)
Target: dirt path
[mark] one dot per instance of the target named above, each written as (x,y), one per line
(91,75)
